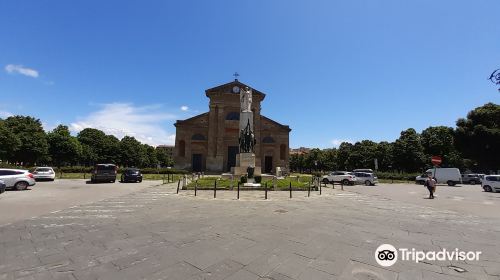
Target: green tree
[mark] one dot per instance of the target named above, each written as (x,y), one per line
(362,155)
(343,154)
(150,159)
(383,154)
(408,151)
(329,159)
(439,141)
(33,143)
(163,158)
(131,152)
(9,142)
(63,148)
(477,137)
(97,147)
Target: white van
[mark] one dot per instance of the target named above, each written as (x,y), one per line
(450,176)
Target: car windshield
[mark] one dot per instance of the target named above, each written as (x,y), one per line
(43,169)
(105,167)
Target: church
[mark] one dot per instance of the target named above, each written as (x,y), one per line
(209,142)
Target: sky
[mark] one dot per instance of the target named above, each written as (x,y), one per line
(332,70)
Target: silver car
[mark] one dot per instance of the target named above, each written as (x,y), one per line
(17,178)
(368,179)
(44,173)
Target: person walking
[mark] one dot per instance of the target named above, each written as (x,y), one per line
(430,183)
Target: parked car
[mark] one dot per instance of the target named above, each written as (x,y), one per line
(104,173)
(471,179)
(363,170)
(44,173)
(17,178)
(368,179)
(2,186)
(343,177)
(491,183)
(450,176)
(131,175)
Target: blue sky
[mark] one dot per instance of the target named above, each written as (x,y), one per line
(332,70)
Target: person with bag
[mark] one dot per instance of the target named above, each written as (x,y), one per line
(430,183)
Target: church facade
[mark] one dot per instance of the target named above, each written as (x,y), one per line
(209,141)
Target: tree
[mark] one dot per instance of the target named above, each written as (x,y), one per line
(163,158)
(383,154)
(408,152)
(9,142)
(33,143)
(150,159)
(478,135)
(92,141)
(343,154)
(362,155)
(63,148)
(131,152)
(439,141)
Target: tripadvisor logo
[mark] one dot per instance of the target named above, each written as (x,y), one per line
(387,255)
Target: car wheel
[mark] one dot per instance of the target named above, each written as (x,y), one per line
(113,181)
(345,182)
(487,189)
(140,180)
(450,183)
(21,186)
(367,183)
(472,182)
(325,181)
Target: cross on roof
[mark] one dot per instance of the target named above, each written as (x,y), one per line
(236,75)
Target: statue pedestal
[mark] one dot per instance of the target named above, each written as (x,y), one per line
(243,161)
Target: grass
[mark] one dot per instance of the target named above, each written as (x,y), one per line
(87,176)
(282,184)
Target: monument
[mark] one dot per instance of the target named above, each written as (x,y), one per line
(245,160)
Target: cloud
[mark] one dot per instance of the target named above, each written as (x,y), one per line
(147,123)
(19,69)
(336,142)
(184,108)
(5,114)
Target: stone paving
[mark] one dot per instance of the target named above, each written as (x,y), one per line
(157,234)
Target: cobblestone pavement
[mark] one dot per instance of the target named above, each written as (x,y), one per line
(157,234)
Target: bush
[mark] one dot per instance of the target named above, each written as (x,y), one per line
(397,176)
(244,179)
(258,179)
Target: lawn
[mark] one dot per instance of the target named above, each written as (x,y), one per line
(282,184)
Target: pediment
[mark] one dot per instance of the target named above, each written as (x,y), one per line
(228,89)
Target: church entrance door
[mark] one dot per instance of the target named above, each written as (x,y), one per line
(196,164)
(232,151)
(268,164)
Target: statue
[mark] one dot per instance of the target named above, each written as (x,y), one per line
(247,139)
(246,100)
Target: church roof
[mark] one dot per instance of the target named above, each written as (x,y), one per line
(227,88)
(276,123)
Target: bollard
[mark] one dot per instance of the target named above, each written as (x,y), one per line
(215,188)
(238,190)
(265,190)
(178,185)
(341,185)
(320,188)
(333,184)
(309,190)
(290,189)
(195,187)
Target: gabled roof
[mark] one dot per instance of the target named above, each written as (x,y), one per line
(277,123)
(191,119)
(226,88)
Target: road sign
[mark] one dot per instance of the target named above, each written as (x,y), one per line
(436,160)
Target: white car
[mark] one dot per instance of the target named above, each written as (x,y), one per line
(344,177)
(368,179)
(44,173)
(17,178)
(491,183)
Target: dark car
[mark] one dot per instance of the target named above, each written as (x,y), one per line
(2,186)
(131,175)
(104,173)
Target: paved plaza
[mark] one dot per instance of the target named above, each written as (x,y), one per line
(153,233)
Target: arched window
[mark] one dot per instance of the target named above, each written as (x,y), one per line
(182,148)
(268,139)
(233,116)
(282,151)
(198,136)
